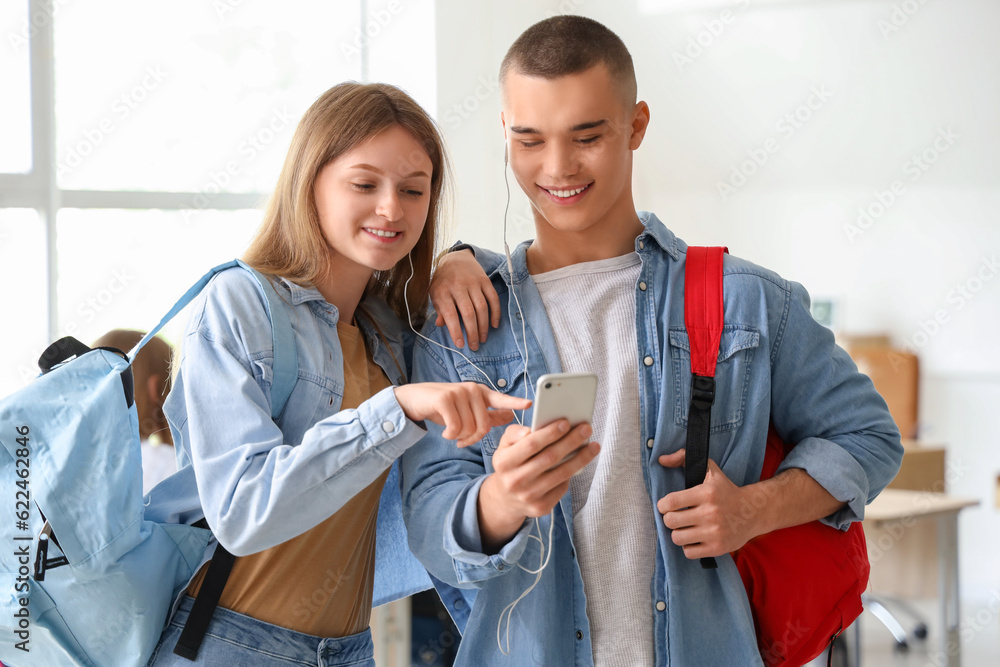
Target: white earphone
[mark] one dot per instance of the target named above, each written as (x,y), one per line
(545,553)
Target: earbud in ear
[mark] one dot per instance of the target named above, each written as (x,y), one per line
(505,154)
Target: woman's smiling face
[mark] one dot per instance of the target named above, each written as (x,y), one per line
(373,201)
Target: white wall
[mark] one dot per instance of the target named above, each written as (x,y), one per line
(884,84)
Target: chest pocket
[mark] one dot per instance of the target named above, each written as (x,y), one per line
(732,376)
(507,377)
(313,398)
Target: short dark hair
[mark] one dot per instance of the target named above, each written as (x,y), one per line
(568,44)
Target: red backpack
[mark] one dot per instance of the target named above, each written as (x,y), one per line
(804,583)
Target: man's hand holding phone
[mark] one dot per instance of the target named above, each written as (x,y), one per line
(528,478)
(533,467)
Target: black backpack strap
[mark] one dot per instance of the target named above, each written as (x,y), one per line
(63,349)
(703,320)
(699,422)
(204,605)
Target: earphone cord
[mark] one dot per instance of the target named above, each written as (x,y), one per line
(544,554)
(409,321)
(510,270)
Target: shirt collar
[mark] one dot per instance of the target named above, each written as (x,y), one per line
(659,233)
(300,294)
(383,317)
(654,229)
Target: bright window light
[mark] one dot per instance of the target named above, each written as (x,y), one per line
(15,82)
(191,96)
(24,338)
(125,269)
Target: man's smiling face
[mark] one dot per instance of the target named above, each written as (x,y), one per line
(571,140)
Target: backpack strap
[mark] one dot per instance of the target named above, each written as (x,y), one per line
(194,291)
(286,363)
(285,369)
(285,372)
(703,319)
(204,605)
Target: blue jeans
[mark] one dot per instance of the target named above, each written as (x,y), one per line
(237,639)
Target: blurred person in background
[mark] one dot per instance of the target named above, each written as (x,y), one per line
(151,374)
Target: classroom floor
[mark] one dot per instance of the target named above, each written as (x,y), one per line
(979,629)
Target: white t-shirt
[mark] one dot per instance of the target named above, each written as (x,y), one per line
(591,307)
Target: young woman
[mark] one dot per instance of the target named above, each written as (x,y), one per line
(352,220)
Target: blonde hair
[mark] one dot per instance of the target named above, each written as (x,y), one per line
(290,243)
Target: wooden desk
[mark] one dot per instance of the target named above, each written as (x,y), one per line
(909,567)
(895,510)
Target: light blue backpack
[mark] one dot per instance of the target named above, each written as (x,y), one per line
(89,568)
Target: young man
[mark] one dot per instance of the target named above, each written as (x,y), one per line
(601,289)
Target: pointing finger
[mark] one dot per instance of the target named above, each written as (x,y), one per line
(495,399)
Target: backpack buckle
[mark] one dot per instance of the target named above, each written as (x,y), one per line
(702,391)
(42,561)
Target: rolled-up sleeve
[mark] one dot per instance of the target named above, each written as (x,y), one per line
(845,437)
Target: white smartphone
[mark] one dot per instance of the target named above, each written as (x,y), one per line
(564,395)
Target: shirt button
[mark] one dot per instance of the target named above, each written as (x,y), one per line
(388,427)
(648,361)
(649,443)
(501,383)
(641,245)
(500,566)
(579,635)
(660,606)
(642,286)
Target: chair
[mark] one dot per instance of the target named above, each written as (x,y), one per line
(878,606)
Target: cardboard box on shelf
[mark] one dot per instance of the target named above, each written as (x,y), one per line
(922,468)
(895,374)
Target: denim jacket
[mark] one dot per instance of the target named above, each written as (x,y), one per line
(775,364)
(261,483)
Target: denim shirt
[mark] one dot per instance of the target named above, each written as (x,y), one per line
(775,364)
(261,483)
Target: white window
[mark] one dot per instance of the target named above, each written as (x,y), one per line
(139,141)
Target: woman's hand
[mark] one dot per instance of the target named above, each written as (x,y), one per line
(460,287)
(463,408)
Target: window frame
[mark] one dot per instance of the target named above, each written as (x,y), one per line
(39,189)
